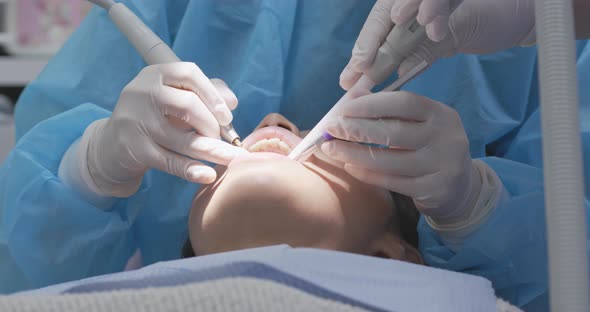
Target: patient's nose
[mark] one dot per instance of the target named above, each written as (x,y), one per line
(278,120)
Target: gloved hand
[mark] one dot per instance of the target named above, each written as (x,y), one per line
(433,14)
(425,153)
(476,27)
(164,119)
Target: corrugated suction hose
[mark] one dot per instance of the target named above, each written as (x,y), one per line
(562,157)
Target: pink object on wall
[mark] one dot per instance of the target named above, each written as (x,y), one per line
(47,22)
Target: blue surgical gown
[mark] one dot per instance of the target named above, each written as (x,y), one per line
(277,56)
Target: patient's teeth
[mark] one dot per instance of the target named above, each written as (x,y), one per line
(258,146)
(274,141)
(285,149)
(274,145)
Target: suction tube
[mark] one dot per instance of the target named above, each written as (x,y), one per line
(562,157)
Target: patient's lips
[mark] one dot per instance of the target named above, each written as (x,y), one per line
(268,133)
(269,143)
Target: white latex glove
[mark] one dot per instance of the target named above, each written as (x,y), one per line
(163,120)
(475,27)
(433,14)
(425,153)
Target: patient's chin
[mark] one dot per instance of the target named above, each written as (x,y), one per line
(266,203)
(219,236)
(260,221)
(240,222)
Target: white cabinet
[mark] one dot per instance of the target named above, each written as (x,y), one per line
(6,128)
(6,138)
(19,71)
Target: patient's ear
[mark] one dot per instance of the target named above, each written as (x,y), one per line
(392,246)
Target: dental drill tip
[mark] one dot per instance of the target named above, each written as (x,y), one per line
(237,142)
(229,134)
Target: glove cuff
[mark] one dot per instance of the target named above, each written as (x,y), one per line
(530,39)
(73,172)
(527,10)
(97,172)
(480,206)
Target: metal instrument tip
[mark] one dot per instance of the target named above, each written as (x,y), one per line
(237,142)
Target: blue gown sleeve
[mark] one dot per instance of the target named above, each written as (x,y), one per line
(48,233)
(510,248)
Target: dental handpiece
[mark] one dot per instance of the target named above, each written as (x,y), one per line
(152,49)
(401,42)
(316,137)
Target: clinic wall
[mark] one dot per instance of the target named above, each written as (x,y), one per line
(31,31)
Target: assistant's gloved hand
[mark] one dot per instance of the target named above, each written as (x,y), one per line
(425,153)
(164,119)
(475,27)
(433,14)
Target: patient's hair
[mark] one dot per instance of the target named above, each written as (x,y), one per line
(405,223)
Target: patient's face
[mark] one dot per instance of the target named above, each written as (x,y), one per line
(264,198)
